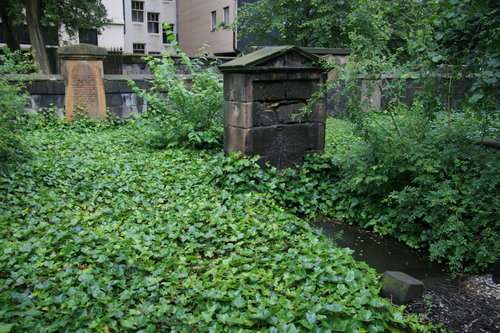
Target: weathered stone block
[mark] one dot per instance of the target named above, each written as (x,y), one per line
(47,101)
(55,87)
(113,100)
(242,114)
(240,87)
(124,87)
(400,288)
(84,78)
(318,114)
(296,138)
(290,113)
(274,140)
(267,140)
(264,91)
(290,160)
(307,75)
(301,89)
(238,139)
(269,90)
(317,137)
(268,118)
(267,76)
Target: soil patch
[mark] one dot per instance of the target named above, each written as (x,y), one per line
(466,304)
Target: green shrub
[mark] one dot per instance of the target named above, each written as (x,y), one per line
(12,103)
(183,109)
(46,118)
(306,191)
(426,183)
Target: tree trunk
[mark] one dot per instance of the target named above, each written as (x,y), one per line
(33,18)
(8,27)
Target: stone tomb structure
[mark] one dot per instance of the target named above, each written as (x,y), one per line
(264,93)
(83,74)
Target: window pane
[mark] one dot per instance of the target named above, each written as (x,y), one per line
(153,23)
(88,36)
(137,11)
(139,5)
(214,20)
(226,15)
(139,48)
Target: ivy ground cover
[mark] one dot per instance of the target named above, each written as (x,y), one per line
(99,234)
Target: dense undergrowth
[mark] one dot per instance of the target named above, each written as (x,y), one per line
(426,184)
(101,233)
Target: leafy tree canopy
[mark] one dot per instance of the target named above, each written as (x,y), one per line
(467,33)
(393,31)
(459,37)
(73,15)
(306,23)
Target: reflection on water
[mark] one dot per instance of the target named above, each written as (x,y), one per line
(383,253)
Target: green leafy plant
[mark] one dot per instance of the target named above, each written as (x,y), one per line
(43,118)
(100,233)
(12,149)
(414,171)
(306,23)
(183,109)
(306,191)
(429,186)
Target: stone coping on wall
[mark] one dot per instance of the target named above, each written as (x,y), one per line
(314,50)
(82,52)
(52,84)
(43,84)
(134,77)
(258,61)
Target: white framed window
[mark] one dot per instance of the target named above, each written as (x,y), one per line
(138,11)
(226,17)
(214,20)
(139,48)
(153,23)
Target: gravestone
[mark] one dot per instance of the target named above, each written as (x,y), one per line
(83,74)
(264,93)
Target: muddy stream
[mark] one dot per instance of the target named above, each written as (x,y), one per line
(383,253)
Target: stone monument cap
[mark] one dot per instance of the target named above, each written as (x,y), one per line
(82,51)
(262,59)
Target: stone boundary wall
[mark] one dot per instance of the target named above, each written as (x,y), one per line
(48,91)
(133,64)
(452,95)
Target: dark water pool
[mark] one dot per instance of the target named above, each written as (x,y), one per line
(383,253)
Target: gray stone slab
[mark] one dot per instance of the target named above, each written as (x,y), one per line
(400,288)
